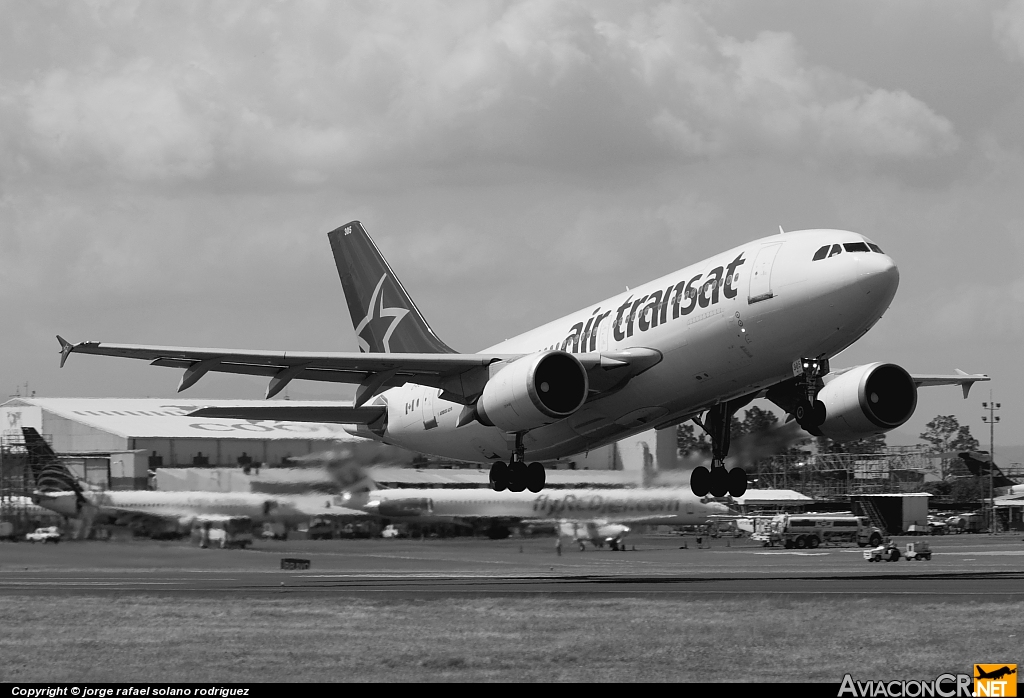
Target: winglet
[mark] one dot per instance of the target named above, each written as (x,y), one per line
(66,348)
(965,386)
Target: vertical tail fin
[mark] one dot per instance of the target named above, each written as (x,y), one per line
(383,314)
(49,473)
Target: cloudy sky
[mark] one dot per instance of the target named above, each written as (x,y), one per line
(168,171)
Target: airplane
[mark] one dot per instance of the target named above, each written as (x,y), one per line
(59,491)
(580,507)
(596,515)
(995,674)
(981,465)
(763,319)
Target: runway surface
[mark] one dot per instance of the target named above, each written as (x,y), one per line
(963,567)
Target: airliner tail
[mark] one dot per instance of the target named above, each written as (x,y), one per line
(385,318)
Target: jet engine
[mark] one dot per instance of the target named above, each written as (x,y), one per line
(532,391)
(416,506)
(866,400)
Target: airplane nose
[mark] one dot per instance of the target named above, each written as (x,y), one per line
(878,275)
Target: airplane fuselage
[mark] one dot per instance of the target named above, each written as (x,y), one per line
(725,327)
(185,507)
(669,506)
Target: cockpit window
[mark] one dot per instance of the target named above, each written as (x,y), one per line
(875,248)
(821,253)
(836,249)
(856,247)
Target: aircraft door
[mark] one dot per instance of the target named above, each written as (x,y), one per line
(761,273)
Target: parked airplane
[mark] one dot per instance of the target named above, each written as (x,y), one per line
(59,491)
(762,319)
(980,464)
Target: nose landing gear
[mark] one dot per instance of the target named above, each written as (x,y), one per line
(517,475)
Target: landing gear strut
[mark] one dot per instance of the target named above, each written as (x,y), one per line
(718,481)
(517,475)
(810,411)
(799,395)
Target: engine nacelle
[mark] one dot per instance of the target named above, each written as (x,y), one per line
(866,400)
(533,391)
(416,506)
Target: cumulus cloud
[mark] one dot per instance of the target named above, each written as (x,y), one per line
(138,127)
(232,94)
(1008,27)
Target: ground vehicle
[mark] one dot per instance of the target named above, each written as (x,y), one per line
(966,523)
(919,550)
(49,534)
(274,530)
(812,530)
(223,534)
(883,553)
(6,530)
(322,528)
(390,531)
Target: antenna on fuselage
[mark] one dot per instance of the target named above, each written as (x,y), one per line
(781,231)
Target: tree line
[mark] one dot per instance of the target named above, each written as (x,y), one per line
(942,435)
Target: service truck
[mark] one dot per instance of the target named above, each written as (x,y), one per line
(812,530)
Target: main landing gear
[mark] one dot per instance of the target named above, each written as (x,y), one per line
(517,475)
(718,481)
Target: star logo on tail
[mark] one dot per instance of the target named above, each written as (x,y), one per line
(376,315)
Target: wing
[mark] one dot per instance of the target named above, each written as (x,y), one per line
(922,380)
(340,414)
(136,517)
(461,377)
(964,380)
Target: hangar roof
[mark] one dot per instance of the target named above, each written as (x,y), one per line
(772,497)
(165,418)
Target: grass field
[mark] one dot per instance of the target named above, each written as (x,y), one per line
(153,638)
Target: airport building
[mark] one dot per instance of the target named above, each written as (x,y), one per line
(117,442)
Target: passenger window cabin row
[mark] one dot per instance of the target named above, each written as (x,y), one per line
(833,250)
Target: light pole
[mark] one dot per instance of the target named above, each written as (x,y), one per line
(991,418)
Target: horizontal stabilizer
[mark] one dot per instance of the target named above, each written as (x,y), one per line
(328,414)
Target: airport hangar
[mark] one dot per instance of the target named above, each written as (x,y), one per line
(115,442)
